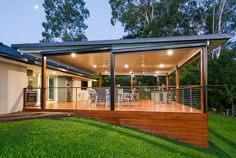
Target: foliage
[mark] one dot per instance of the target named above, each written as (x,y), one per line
(148,18)
(222,72)
(190,75)
(147,81)
(124,80)
(172,79)
(64,20)
(227,24)
(77,137)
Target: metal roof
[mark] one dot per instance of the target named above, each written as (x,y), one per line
(128,41)
(12,53)
(121,46)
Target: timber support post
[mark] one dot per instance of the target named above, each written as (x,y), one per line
(43,82)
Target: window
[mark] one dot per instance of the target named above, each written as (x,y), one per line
(84,85)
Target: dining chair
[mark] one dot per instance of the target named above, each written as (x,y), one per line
(107,92)
(120,96)
(92,96)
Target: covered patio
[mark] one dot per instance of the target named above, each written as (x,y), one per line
(131,105)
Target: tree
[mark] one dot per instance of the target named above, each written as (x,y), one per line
(190,75)
(223,19)
(222,72)
(147,18)
(64,20)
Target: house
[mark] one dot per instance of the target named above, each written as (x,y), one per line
(178,112)
(19,70)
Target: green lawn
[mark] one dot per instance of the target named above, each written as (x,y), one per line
(77,137)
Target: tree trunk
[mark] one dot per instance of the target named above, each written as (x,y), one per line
(213,19)
(221,8)
(153,3)
(233,109)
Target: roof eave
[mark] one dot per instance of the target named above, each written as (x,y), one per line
(127,41)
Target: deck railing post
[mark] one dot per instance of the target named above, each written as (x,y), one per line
(131,81)
(167,81)
(43,82)
(191,97)
(100,80)
(177,83)
(112,81)
(76,95)
(204,73)
(25,97)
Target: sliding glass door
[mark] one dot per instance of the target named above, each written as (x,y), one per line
(51,91)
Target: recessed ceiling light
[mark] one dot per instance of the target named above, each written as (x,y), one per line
(94,66)
(130,72)
(157,72)
(106,72)
(126,66)
(54,72)
(161,65)
(73,55)
(170,52)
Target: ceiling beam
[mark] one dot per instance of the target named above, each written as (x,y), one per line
(186,60)
(77,51)
(159,48)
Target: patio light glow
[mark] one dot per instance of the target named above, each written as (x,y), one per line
(126,66)
(130,72)
(170,52)
(161,65)
(73,55)
(94,66)
(157,72)
(54,72)
(106,72)
(36,7)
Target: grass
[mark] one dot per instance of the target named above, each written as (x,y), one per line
(78,137)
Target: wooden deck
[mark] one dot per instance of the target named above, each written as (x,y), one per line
(190,128)
(142,105)
(174,121)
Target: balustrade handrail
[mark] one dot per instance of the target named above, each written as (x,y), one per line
(169,87)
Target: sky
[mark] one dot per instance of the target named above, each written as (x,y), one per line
(21,21)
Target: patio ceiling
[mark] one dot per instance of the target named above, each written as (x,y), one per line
(141,63)
(37,70)
(143,56)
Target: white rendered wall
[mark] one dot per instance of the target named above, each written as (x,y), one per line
(81,94)
(13,78)
(86,95)
(56,89)
(90,84)
(39,90)
(76,83)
